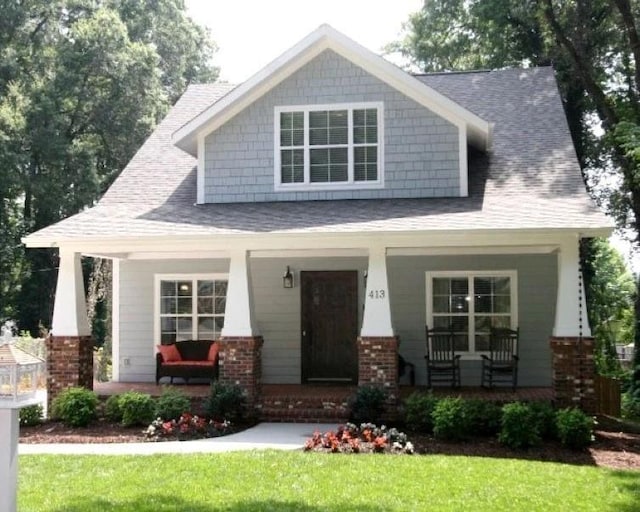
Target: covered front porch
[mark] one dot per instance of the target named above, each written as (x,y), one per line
(300,313)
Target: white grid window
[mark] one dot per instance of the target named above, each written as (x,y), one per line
(328,146)
(190,307)
(471,303)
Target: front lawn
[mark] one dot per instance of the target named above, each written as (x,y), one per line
(313,482)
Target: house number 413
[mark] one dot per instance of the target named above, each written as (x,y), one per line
(377,294)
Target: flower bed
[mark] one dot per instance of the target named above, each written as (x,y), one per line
(186,428)
(367,438)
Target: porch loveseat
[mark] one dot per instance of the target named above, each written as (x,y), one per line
(187,359)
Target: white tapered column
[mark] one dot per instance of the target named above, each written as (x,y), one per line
(70,308)
(377,307)
(239,316)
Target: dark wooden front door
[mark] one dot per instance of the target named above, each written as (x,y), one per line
(329,326)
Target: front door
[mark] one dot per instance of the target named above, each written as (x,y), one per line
(329,326)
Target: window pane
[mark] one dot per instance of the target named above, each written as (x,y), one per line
(482,285)
(219,321)
(338,118)
(502,304)
(441,286)
(168,324)
(184,305)
(286,138)
(318,119)
(329,165)
(292,166)
(185,324)
(168,306)
(461,342)
(483,324)
(205,288)
(459,304)
(205,329)
(168,288)
(460,286)
(318,137)
(221,288)
(365,163)
(184,288)
(483,304)
(338,136)
(205,305)
(441,304)
(221,304)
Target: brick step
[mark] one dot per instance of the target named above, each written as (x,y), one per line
(302,415)
(308,402)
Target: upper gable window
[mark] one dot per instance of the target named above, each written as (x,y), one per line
(329,146)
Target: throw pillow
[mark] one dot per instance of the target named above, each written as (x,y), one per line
(169,353)
(213,352)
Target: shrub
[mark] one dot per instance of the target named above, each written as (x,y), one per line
(483,417)
(545,418)
(137,408)
(574,427)
(172,404)
(75,406)
(631,405)
(451,420)
(367,405)
(225,402)
(418,410)
(519,426)
(31,415)
(112,409)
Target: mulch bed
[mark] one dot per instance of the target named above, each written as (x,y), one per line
(617,445)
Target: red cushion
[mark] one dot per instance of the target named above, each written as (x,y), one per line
(189,363)
(213,352)
(169,353)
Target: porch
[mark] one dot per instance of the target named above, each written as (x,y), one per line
(320,403)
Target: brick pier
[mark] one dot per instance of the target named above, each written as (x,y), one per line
(69,364)
(574,372)
(241,364)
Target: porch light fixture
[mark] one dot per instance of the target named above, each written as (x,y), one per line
(287,279)
(20,373)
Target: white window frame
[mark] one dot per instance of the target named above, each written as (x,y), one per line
(194,278)
(351,183)
(470,274)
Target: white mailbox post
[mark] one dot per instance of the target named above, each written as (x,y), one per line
(20,373)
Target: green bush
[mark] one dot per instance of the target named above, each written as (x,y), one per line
(418,410)
(483,417)
(631,406)
(451,420)
(225,402)
(545,418)
(172,404)
(574,427)
(31,415)
(75,406)
(519,426)
(367,404)
(112,409)
(137,408)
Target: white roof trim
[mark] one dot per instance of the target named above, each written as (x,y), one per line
(323,38)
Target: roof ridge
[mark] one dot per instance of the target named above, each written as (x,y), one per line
(478,71)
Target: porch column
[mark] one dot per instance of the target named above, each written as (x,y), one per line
(240,345)
(69,345)
(377,344)
(571,344)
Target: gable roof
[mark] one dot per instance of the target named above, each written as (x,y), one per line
(529,181)
(325,37)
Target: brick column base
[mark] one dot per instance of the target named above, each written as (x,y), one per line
(574,372)
(69,364)
(378,364)
(241,364)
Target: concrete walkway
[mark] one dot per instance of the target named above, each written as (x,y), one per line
(279,436)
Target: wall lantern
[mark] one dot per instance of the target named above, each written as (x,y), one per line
(287,279)
(20,373)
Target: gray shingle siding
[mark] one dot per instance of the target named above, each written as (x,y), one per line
(420,148)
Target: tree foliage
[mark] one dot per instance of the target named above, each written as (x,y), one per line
(594,47)
(82,84)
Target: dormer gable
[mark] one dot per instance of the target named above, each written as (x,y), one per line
(328,144)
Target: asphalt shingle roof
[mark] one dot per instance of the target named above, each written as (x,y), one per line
(529,179)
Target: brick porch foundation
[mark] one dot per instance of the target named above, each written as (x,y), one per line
(241,364)
(69,364)
(574,372)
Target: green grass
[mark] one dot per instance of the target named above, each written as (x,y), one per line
(311,482)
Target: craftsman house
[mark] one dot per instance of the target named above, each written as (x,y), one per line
(315,218)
